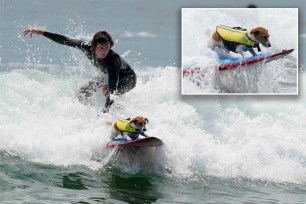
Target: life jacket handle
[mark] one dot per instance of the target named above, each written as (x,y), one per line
(239,28)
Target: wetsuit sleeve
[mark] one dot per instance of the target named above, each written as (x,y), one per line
(80,44)
(113,74)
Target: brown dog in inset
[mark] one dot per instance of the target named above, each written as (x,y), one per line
(257,35)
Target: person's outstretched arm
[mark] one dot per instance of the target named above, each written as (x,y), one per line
(80,44)
(31,31)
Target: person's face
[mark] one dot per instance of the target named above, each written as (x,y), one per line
(102,50)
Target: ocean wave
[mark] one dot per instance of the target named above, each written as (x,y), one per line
(224,137)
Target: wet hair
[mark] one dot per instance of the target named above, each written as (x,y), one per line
(101,37)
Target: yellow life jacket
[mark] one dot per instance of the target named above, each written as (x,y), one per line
(124,125)
(238,35)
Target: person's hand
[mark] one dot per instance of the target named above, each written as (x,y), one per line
(105,90)
(33,30)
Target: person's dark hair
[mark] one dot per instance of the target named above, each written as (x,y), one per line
(101,37)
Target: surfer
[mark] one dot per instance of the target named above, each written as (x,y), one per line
(120,76)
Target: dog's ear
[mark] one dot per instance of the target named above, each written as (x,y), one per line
(146,119)
(255,32)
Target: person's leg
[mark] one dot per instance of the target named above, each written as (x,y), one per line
(87,90)
(124,85)
(108,104)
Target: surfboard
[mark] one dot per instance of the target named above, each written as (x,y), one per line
(143,142)
(231,63)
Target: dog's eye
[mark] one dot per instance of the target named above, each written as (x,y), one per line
(140,123)
(265,37)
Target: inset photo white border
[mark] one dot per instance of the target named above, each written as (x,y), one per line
(239,51)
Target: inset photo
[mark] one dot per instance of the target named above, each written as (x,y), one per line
(241,51)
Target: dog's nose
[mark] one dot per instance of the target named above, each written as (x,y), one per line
(269,45)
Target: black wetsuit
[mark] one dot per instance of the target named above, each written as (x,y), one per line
(121,77)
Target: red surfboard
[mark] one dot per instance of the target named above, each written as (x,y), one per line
(144,142)
(237,62)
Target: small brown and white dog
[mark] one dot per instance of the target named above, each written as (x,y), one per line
(132,128)
(230,40)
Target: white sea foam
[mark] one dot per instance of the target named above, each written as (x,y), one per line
(254,138)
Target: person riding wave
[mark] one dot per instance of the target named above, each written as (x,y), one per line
(120,76)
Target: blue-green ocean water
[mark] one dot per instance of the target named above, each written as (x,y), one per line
(229,149)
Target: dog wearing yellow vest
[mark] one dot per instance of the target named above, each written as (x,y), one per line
(239,40)
(132,128)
